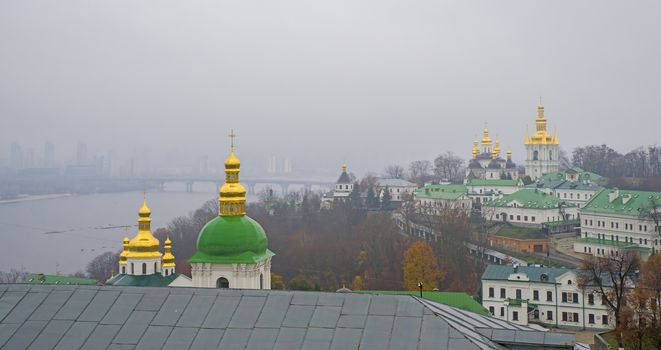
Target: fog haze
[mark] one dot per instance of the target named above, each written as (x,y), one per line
(369,83)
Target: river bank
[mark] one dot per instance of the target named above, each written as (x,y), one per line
(27,197)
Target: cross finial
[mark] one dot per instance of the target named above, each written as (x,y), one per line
(232,135)
(540,100)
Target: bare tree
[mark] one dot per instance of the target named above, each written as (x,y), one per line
(13,276)
(394,171)
(653,213)
(611,278)
(448,166)
(420,171)
(102,267)
(369,181)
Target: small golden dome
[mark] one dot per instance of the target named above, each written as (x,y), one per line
(144,244)
(168,258)
(232,160)
(144,210)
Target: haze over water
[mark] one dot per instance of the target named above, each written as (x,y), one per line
(64,234)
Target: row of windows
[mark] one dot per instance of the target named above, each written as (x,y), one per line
(616,238)
(566,316)
(517,294)
(616,225)
(578,195)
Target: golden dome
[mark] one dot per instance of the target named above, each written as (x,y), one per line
(144,244)
(168,258)
(509,154)
(344,168)
(485,137)
(541,136)
(232,199)
(125,250)
(476,150)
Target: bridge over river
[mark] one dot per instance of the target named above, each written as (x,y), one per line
(251,184)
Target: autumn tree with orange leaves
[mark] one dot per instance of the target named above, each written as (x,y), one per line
(421,265)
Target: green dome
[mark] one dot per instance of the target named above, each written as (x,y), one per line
(231,239)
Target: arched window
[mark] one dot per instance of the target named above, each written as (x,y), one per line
(261,281)
(166,272)
(155,267)
(144,268)
(550,155)
(124,269)
(535,155)
(132,269)
(222,283)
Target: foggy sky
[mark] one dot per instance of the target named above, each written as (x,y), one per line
(366,82)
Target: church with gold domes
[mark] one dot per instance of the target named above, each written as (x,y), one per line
(140,262)
(232,249)
(486,162)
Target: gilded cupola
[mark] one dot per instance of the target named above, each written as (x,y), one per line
(168,258)
(232,201)
(144,244)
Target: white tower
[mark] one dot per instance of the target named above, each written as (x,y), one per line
(542,149)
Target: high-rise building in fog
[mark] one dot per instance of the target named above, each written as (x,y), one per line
(49,154)
(272,165)
(16,156)
(81,154)
(286,166)
(28,158)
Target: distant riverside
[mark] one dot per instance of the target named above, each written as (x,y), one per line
(66,232)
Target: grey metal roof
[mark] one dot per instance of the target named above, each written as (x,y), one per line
(344,178)
(534,273)
(122,317)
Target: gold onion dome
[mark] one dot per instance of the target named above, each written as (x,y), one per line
(541,136)
(144,244)
(125,250)
(485,137)
(476,150)
(168,258)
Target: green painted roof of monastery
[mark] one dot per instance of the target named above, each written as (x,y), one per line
(492,182)
(38,278)
(529,199)
(583,175)
(154,280)
(638,201)
(231,240)
(450,191)
(459,300)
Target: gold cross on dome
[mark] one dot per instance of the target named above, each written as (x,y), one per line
(232,135)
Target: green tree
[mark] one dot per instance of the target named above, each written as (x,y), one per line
(277,282)
(372,200)
(354,196)
(301,282)
(386,199)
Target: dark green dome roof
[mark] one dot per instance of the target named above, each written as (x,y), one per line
(231,239)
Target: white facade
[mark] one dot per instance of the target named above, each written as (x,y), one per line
(241,276)
(484,191)
(399,189)
(521,216)
(542,159)
(557,302)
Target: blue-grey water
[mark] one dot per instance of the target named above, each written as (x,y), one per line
(63,234)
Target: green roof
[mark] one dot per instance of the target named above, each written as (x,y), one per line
(459,300)
(617,244)
(39,278)
(492,182)
(637,202)
(534,273)
(521,232)
(528,199)
(231,240)
(583,175)
(155,280)
(450,191)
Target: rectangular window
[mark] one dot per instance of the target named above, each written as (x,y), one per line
(491,292)
(564,316)
(532,218)
(518,293)
(564,297)
(591,319)
(591,299)
(502,293)
(525,218)
(535,295)
(575,318)
(604,319)
(518,217)
(575,298)
(511,217)
(502,311)
(515,316)
(491,310)
(549,295)
(549,315)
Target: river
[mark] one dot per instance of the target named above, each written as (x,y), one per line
(61,235)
